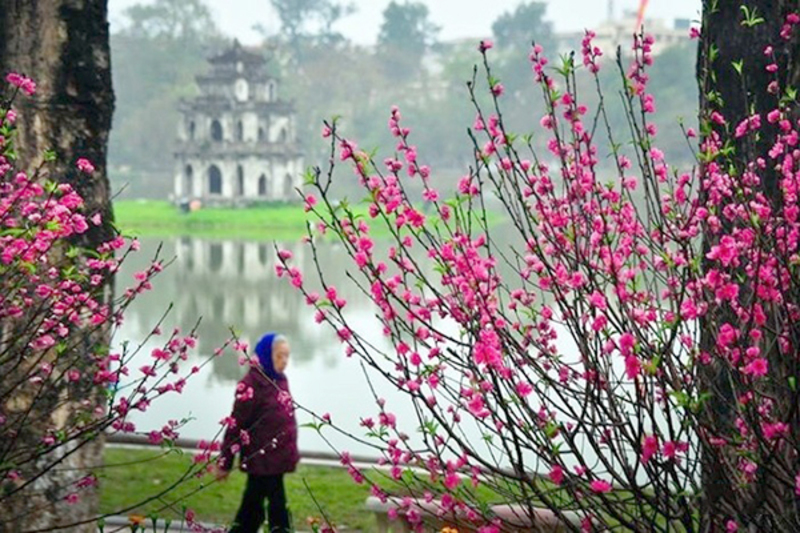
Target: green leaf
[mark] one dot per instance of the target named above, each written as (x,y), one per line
(751,18)
(313,425)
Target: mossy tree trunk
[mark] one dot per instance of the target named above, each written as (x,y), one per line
(732,36)
(64,46)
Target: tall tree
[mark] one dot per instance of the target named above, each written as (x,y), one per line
(158,51)
(748,66)
(526,23)
(406,34)
(514,32)
(64,46)
(181,20)
(304,22)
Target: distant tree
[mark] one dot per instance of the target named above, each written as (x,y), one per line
(514,31)
(170,19)
(157,53)
(305,22)
(518,28)
(405,35)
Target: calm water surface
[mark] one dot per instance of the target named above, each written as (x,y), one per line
(230,283)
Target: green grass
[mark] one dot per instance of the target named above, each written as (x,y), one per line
(161,218)
(146,472)
(133,475)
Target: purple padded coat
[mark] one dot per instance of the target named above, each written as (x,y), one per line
(265,433)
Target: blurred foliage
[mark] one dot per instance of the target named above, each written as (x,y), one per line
(155,57)
(406,35)
(162,46)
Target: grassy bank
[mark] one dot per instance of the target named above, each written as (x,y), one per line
(141,473)
(131,475)
(161,218)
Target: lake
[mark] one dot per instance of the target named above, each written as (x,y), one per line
(232,283)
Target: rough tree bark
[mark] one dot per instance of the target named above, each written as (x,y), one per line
(64,46)
(766,505)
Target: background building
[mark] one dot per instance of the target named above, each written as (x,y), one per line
(237,140)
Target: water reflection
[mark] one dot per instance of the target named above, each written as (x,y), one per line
(232,283)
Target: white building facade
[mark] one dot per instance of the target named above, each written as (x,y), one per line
(237,140)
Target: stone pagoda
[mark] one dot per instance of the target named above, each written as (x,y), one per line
(237,140)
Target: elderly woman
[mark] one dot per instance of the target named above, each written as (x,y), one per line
(264,434)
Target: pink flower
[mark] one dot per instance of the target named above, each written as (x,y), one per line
(600,486)
(670,449)
(524,388)
(160,355)
(556,475)
(430,195)
(26,85)
(649,447)
(598,301)
(757,368)
(452,480)
(485,44)
(84,165)
(311,201)
(725,252)
(632,366)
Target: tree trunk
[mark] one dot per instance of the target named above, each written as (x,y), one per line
(768,504)
(64,46)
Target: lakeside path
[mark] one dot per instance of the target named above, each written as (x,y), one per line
(320,474)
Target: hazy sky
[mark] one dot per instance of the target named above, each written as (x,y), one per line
(457,18)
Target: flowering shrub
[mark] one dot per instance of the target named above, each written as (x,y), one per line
(619,329)
(61,390)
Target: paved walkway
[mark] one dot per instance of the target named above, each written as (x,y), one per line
(123,523)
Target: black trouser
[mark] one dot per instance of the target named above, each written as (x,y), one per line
(251,512)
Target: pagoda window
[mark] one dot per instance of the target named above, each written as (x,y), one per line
(216,131)
(261,134)
(191,130)
(239,131)
(271,92)
(284,135)
(262,185)
(188,185)
(239,181)
(214,180)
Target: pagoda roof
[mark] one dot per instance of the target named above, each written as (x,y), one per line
(235,54)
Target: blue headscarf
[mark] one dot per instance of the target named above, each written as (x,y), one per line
(264,353)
